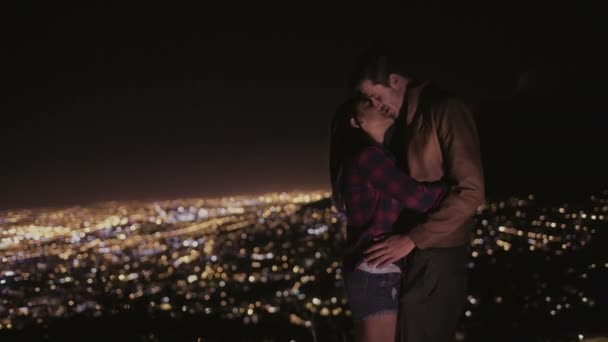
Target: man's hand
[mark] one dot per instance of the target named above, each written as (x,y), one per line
(388,249)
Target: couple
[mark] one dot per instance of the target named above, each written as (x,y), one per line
(405,168)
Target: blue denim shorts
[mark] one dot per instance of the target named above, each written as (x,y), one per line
(370,294)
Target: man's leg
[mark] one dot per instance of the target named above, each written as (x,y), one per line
(433,294)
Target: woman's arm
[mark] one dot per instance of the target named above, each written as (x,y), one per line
(384,175)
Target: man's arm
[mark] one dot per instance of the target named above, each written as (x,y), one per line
(462,162)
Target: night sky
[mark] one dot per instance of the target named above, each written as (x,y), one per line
(111,102)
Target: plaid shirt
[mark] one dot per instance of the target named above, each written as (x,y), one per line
(376,191)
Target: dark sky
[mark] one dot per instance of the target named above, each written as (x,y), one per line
(111,102)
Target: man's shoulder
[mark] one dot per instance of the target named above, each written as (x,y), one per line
(438,102)
(436,96)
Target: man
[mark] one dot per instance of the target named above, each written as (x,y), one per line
(434,137)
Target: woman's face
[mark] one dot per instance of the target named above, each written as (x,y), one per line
(372,121)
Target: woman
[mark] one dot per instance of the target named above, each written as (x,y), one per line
(372,191)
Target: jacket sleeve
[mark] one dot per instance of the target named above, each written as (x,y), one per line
(459,142)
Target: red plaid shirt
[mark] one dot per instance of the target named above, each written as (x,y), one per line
(376,191)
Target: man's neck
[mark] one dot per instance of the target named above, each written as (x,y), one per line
(406,85)
(410,99)
(404,95)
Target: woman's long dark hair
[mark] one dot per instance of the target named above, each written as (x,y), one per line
(345,142)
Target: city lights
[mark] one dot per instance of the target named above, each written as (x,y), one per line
(245,258)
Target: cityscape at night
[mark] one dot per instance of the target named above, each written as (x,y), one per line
(266,268)
(166,172)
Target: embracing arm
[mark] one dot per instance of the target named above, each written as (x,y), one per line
(385,176)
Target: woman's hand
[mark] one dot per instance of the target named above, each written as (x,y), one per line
(387,249)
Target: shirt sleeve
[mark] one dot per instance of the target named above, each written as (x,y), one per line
(385,176)
(458,137)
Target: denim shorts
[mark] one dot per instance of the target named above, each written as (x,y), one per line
(370,294)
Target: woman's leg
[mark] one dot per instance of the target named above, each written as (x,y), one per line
(377,328)
(374,301)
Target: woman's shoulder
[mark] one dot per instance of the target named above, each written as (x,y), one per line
(372,154)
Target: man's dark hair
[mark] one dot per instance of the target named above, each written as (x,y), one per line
(376,63)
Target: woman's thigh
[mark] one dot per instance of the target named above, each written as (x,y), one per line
(381,327)
(372,294)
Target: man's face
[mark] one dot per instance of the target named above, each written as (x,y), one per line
(387,99)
